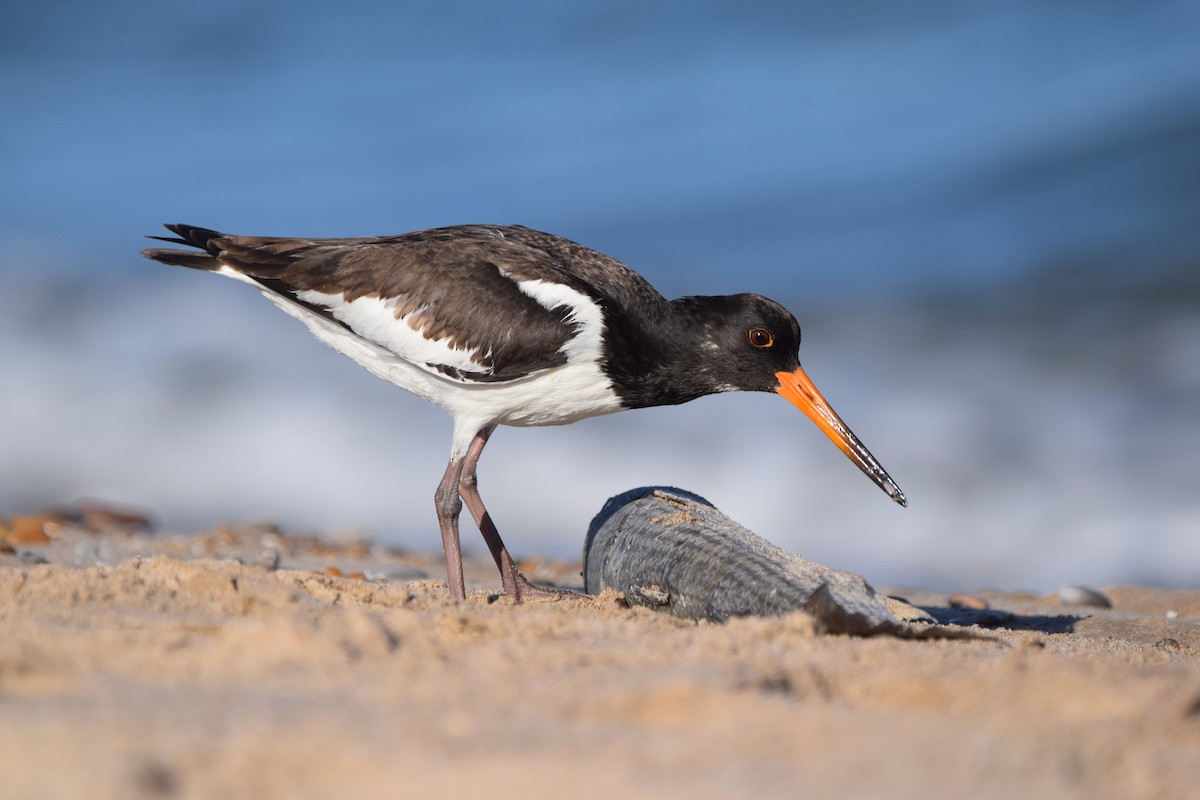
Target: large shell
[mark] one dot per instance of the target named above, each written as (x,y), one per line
(672,550)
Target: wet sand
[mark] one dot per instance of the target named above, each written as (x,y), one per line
(237,663)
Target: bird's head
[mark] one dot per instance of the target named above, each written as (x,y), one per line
(753,344)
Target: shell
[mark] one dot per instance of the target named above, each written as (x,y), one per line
(1083,596)
(673,551)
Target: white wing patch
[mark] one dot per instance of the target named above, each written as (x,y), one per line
(375,320)
(586,344)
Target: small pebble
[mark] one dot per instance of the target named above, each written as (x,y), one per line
(1168,644)
(357,576)
(32,529)
(1172,614)
(30,557)
(333,572)
(268,558)
(968,601)
(1083,596)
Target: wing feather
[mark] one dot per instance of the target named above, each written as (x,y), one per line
(456,290)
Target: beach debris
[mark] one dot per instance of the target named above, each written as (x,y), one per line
(1083,596)
(32,529)
(88,516)
(673,551)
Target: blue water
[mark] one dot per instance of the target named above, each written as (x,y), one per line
(986,217)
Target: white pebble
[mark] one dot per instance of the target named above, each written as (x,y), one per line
(1083,596)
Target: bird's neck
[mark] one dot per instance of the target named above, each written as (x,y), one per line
(657,356)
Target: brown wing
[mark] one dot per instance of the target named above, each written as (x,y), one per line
(458,284)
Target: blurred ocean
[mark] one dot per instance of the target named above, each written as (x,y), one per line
(985,216)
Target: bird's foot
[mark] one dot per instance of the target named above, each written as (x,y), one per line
(523,590)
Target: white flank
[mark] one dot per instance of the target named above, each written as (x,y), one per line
(375,320)
(391,349)
(556,396)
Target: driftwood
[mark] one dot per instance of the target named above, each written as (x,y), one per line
(673,551)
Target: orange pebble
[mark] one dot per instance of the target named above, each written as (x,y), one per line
(33,529)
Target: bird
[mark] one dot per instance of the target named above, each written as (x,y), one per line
(506,325)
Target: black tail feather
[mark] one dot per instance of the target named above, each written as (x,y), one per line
(189,235)
(182,258)
(195,236)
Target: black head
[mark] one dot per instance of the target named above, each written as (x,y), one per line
(741,342)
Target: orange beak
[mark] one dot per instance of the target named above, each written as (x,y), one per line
(800,392)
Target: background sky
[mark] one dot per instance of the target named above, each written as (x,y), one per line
(985,216)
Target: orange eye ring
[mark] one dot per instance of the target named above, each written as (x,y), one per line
(760,337)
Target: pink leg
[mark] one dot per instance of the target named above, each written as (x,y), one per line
(515,584)
(448,506)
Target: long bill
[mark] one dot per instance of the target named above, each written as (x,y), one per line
(800,392)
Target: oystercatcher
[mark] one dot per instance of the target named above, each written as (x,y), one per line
(505,325)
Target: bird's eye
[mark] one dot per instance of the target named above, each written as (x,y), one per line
(761,337)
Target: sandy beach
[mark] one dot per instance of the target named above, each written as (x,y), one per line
(247,662)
